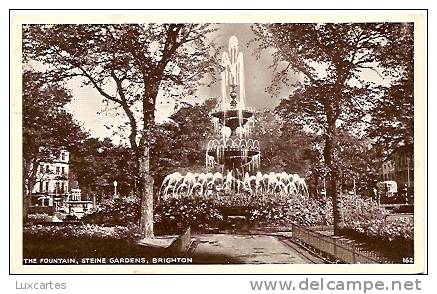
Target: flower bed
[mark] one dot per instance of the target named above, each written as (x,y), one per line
(119,211)
(201,213)
(359,216)
(305,212)
(80,240)
(367,218)
(91,231)
(39,218)
(363,220)
(175,215)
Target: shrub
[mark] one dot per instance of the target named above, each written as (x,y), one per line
(81,240)
(303,211)
(234,200)
(366,217)
(89,231)
(174,215)
(359,215)
(118,211)
(309,212)
(39,218)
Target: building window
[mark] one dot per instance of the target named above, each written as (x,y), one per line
(62,187)
(47,168)
(63,170)
(57,170)
(63,156)
(47,187)
(41,186)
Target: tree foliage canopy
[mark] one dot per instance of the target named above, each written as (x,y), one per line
(47,126)
(335,63)
(126,63)
(180,144)
(393,115)
(334,91)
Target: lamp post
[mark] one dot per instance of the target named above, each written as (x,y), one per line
(355,187)
(115,189)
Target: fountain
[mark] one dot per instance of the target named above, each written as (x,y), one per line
(235,151)
(234,156)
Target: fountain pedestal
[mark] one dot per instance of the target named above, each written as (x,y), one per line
(232,118)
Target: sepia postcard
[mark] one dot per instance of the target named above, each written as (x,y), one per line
(218,142)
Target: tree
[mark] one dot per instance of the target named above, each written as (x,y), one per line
(358,162)
(129,65)
(393,119)
(47,127)
(284,146)
(393,116)
(331,91)
(97,163)
(180,144)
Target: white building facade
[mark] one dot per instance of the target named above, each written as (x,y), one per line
(51,187)
(52,191)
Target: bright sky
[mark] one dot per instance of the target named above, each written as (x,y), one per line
(88,108)
(87,102)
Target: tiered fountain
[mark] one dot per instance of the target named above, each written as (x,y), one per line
(234,153)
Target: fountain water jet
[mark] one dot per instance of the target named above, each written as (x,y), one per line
(202,184)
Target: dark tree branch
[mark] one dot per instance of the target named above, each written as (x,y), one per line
(124,104)
(97,86)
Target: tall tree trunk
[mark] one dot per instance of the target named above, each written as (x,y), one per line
(26,204)
(331,189)
(316,194)
(151,91)
(146,194)
(26,199)
(30,169)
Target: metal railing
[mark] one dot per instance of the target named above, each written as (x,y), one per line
(333,246)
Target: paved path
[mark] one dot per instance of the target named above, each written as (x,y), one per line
(250,249)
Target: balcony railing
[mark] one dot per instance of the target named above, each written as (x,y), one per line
(55,192)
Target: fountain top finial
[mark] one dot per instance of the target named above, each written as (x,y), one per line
(233,42)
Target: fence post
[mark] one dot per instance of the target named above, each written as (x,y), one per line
(335,247)
(308,236)
(353,253)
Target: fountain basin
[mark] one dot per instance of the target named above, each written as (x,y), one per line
(242,144)
(233,156)
(233,118)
